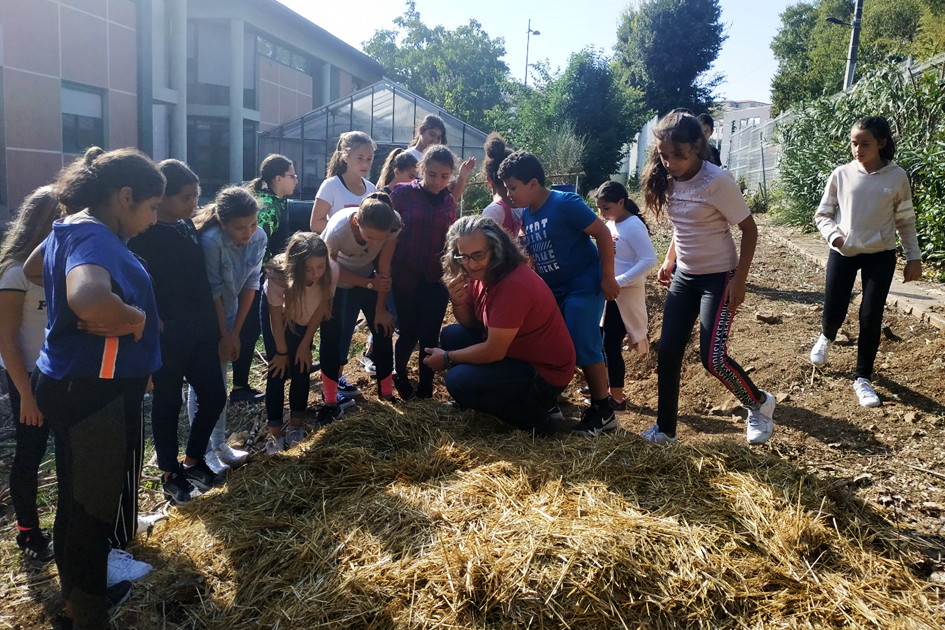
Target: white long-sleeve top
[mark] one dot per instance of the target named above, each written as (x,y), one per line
(633,251)
(867,210)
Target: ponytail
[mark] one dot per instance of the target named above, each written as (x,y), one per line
(232,202)
(91,180)
(614,192)
(272,167)
(398,160)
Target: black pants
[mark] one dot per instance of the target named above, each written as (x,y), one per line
(97,427)
(187,351)
(877,272)
(30,449)
(699,297)
(614,333)
(249,334)
(509,389)
(299,383)
(420,313)
(340,326)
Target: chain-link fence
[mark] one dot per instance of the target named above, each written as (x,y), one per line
(753,155)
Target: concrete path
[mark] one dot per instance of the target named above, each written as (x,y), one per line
(924,300)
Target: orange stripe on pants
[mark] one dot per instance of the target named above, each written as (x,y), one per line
(109,358)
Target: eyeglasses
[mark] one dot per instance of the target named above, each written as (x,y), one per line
(292,175)
(464,259)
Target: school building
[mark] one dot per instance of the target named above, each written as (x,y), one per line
(190,79)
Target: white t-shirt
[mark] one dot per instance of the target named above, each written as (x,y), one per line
(352,255)
(334,191)
(702,210)
(32,332)
(311,300)
(633,251)
(416,153)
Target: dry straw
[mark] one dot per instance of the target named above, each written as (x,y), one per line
(421,517)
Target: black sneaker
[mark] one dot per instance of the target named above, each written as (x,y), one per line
(327,414)
(246,394)
(585,391)
(595,420)
(618,407)
(178,489)
(35,543)
(344,400)
(346,388)
(404,389)
(117,594)
(202,476)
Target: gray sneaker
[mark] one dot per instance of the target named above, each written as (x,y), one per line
(760,425)
(294,435)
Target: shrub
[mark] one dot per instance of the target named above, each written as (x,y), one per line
(816,140)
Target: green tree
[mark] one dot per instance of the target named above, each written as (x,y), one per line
(461,70)
(665,49)
(583,115)
(812,52)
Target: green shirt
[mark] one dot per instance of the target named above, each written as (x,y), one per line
(273,210)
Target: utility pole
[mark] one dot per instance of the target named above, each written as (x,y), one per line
(854,45)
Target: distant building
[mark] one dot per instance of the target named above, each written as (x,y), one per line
(190,79)
(730,116)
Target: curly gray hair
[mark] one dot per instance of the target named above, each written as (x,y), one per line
(505,254)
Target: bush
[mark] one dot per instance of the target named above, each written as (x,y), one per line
(816,140)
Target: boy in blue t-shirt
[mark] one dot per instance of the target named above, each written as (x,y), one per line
(558,230)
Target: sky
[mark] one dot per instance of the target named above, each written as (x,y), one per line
(566,27)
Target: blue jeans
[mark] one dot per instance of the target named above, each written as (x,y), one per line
(510,389)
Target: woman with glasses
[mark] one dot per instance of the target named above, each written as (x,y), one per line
(511,354)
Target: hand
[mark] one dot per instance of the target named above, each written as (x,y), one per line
(150,386)
(665,274)
(734,293)
(913,271)
(435,359)
(278,365)
(117,330)
(457,288)
(383,322)
(467,168)
(30,415)
(610,288)
(381,283)
(225,349)
(838,242)
(303,357)
(234,345)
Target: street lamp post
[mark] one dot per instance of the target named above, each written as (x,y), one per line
(528,41)
(854,42)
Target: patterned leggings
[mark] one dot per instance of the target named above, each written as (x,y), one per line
(691,297)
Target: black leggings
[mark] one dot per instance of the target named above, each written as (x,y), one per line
(614,333)
(97,427)
(693,297)
(249,334)
(30,448)
(420,313)
(299,383)
(877,272)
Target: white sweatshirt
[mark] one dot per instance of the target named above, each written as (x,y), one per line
(868,209)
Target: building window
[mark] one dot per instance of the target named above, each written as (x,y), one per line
(276,52)
(83,124)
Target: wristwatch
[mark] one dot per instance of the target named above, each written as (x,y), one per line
(447,360)
(370,286)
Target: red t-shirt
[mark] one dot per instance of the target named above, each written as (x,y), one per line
(522,300)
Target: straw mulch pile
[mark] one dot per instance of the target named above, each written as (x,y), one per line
(420,516)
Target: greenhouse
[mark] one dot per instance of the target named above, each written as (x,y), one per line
(388,112)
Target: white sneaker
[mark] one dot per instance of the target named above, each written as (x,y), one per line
(294,435)
(818,354)
(122,566)
(232,457)
(655,436)
(275,445)
(760,425)
(146,523)
(214,463)
(865,392)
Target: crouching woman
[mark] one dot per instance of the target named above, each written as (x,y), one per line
(510,355)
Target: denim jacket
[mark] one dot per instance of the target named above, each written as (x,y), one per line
(232,268)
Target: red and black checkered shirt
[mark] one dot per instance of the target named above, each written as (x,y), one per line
(421,242)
